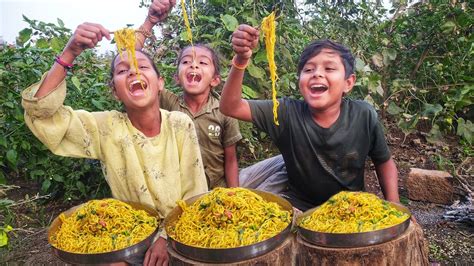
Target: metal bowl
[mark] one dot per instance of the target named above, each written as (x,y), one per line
(353,239)
(228,255)
(106,257)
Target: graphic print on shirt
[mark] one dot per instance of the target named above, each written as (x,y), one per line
(214,131)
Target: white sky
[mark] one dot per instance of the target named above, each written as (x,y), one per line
(112,14)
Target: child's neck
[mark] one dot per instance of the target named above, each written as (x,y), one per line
(148,121)
(326,118)
(195,103)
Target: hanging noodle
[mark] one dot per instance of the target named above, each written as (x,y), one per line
(101,226)
(228,217)
(125,39)
(268,28)
(353,212)
(189,33)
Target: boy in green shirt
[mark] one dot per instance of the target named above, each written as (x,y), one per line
(325,139)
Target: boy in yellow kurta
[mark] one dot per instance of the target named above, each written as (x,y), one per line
(149,155)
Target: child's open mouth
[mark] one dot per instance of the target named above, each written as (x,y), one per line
(137,88)
(193,77)
(318,89)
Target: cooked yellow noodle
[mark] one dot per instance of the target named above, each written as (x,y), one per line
(189,33)
(268,28)
(353,212)
(228,217)
(101,226)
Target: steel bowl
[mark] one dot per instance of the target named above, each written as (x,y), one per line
(229,255)
(353,239)
(119,255)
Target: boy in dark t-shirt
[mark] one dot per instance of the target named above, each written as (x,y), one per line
(325,139)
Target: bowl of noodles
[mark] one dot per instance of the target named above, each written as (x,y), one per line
(228,225)
(103,231)
(353,219)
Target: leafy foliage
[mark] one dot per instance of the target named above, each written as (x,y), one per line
(22,154)
(415,64)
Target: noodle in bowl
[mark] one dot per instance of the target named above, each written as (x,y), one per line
(103,231)
(353,219)
(226,226)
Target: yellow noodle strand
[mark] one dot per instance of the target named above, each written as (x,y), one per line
(102,226)
(125,39)
(353,212)
(186,21)
(228,217)
(268,28)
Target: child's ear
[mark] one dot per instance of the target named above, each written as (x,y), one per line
(215,81)
(350,81)
(176,78)
(161,85)
(114,91)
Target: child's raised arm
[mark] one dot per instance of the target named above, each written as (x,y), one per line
(87,35)
(244,39)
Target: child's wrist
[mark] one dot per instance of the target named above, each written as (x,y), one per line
(240,63)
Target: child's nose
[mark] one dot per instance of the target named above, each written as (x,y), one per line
(317,73)
(132,71)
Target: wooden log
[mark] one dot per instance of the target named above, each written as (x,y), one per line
(407,249)
(281,255)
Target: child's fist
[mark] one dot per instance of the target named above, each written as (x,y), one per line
(159,10)
(244,39)
(86,35)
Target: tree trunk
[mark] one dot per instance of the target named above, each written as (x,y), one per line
(408,249)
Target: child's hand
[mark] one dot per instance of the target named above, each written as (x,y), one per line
(159,10)
(157,254)
(244,39)
(87,35)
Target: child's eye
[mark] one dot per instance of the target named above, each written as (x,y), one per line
(184,62)
(203,63)
(307,70)
(330,69)
(143,67)
(121,71)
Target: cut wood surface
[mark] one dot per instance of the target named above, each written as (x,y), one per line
(407,249)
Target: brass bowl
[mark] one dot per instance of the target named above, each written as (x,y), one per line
(228,255)
(106,257)
(349,240)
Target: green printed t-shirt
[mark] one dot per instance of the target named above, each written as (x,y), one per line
(215,131)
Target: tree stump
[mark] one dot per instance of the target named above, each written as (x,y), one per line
(281,255)
(407,249)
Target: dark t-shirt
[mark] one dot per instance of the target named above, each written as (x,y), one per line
(323,161)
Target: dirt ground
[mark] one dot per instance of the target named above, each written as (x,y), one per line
(450,243)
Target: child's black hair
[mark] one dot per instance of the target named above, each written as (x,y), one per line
(315,48)
(112,65)
(215,57)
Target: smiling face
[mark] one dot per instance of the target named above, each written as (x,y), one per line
(196,71)
(322,81)
(133,91)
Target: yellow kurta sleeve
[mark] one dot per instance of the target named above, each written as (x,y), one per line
(64,131)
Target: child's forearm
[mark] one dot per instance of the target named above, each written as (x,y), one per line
(56,75)
(388,179)
(144,32)
(231,166)
(231,103)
